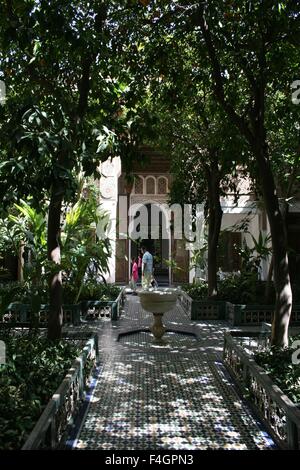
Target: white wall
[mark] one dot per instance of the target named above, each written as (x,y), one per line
(110,172)
(234,215)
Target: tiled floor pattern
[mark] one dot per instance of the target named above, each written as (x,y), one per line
(175,395)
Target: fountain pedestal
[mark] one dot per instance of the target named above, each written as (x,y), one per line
(158,329)
(158,301)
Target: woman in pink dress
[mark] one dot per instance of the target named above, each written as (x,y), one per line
(134,274)
(139,263)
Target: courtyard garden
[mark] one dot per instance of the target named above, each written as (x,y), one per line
(206,95)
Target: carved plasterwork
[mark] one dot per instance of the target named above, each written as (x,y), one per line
(145,199)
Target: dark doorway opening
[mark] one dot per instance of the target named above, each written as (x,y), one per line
(158,246)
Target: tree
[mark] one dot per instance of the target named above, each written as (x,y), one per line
(204,154)
(284,143)
(189,124)
(245,46)
(64,87)
(252,35)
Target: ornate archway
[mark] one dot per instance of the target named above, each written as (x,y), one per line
(154,234)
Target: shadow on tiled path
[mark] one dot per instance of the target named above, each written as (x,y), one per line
(175,395)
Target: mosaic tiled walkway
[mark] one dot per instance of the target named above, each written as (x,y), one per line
(175,395)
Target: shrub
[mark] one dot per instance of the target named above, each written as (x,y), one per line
(277,363)
(70,293)
(103,292)
(243,289)
(24,390)
(196,291)
(22,292)
(236,288)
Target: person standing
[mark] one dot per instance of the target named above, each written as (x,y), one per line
(139,263)
(134,275)
(147,268)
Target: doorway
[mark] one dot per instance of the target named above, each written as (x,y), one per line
(158,246)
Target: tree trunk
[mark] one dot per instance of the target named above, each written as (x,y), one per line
(283,305)
(269,283)
(58,188)
(55,282)
(256,137)
(215,219)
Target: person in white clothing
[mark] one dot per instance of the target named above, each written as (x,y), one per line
(147,268)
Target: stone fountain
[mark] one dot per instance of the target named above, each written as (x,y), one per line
(158,301)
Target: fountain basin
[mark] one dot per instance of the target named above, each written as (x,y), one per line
(159,300)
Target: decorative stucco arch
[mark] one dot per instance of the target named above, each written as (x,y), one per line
(139,202)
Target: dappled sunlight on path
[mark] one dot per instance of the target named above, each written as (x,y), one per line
(170,395)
